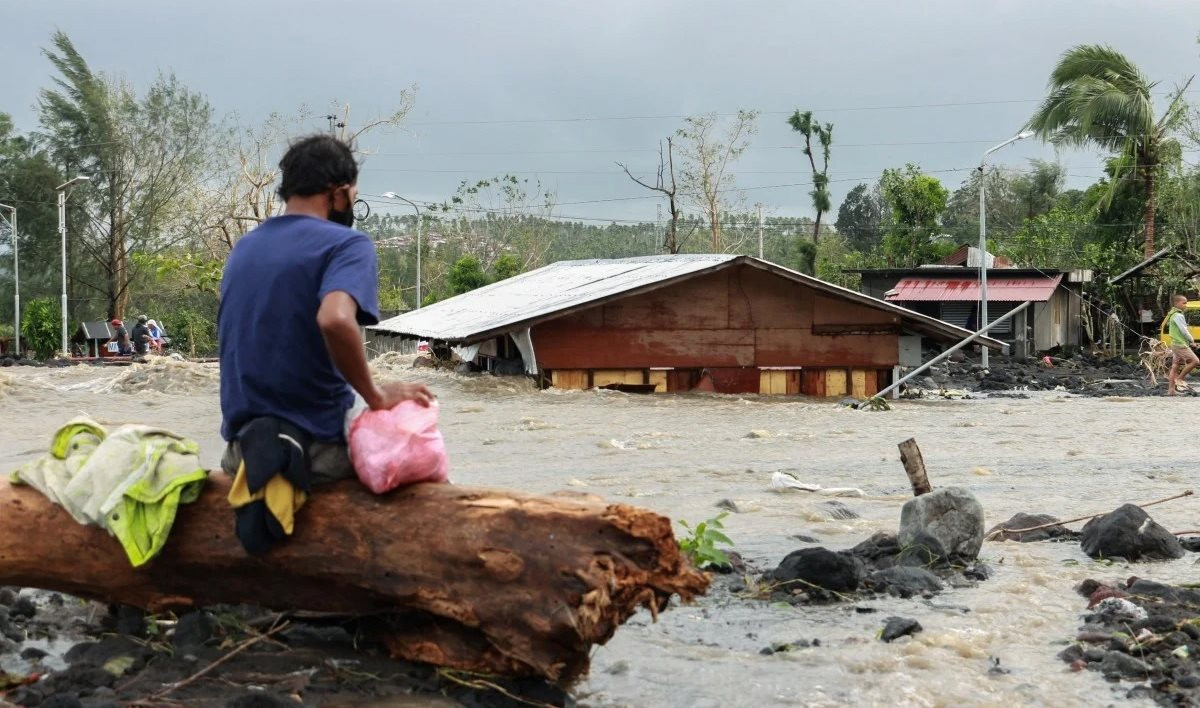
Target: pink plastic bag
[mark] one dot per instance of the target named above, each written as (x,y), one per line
(397,447)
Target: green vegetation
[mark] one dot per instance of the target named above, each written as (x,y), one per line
(700,545)
(41,327)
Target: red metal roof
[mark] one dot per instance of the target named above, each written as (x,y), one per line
(1000,289)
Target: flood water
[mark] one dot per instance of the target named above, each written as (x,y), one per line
(680,455)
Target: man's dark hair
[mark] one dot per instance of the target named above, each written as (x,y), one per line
(315,164)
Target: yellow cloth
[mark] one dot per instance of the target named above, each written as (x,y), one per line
(282,499)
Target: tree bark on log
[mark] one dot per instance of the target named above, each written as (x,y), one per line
(475,579)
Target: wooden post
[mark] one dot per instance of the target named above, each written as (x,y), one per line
(914,466)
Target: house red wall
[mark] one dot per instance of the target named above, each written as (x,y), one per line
(738,317)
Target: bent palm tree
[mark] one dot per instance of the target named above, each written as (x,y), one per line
(1097,96)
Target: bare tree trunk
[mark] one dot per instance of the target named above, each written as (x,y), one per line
(817,229)
(714,225)
(1150,204)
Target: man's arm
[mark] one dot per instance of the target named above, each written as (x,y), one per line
(337,317)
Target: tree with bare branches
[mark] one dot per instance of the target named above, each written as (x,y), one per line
(666,171)
(708,159)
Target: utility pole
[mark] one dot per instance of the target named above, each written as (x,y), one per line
(760,227)
(62,232)
(12,226)
(983,251)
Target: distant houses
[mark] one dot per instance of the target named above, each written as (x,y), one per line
(949,290)
(723,323)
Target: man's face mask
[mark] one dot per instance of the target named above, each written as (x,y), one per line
(345,218)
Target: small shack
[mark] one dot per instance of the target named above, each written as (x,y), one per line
(727,323)
(950,291)
(92,336)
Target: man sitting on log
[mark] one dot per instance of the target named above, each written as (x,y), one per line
(294,293)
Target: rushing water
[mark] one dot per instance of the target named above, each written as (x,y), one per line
(680,455)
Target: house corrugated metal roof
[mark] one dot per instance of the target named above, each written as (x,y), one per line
(1000,289)
(548,292)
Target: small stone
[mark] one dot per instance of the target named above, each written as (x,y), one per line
(821,568)
(865,610)
(617,668)
(193,630)
(1093,654)
(1071,653)
(904,581)
(129,621)
(979,571)
(728,505)
(838,510)
(1189,681)
(897,627)
(805,538)
(1119,664)
(7,596)
(32,654)
(23,607)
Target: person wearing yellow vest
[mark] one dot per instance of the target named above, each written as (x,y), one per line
(1183,359)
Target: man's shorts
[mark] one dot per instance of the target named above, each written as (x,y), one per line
(330,461)
(1182,356)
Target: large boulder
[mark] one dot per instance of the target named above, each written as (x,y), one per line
(1128,532)
(951,515)
(1021,520)
(822,568)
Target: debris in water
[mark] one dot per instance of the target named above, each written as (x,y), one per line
(897,627)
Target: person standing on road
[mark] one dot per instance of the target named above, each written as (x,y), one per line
(1183,359)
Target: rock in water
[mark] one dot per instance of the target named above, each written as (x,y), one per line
(952,515)
(897,627)
(904,581)
(838,510)
(837,572)
(1128,532)
(1022,520)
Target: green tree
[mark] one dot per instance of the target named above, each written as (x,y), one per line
(915,202)
(1038,189)
(804,124)
(27,181)
(466,275)
(505,267)
(41,327)
(147,158)
(1099,97)
(860,217)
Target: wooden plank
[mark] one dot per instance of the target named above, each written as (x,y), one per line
(871,383)
(833,311)
(697,303)
(858,383)
(569,379)
(835,382)
(734,380)
(793,383)
(773,383)
(761,299)
(813,382)
(764,382)
(560,346)
(604,377)
(800,347)
(659,380)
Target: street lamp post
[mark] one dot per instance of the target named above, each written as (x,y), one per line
(417,209)
(983,252)
(62,232)
(12,226)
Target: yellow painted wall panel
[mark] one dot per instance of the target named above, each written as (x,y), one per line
(835,382)
(858,383)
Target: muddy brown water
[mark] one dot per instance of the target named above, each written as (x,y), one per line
(680,455)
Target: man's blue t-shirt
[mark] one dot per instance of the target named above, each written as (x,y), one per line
(273,357)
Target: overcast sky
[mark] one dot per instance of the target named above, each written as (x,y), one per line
(497,79)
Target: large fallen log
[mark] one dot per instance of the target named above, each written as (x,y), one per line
(469,578)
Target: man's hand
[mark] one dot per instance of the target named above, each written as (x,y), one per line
(392,393)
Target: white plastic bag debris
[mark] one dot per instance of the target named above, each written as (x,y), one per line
(781,481)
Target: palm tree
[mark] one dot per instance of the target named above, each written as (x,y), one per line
(1098,97)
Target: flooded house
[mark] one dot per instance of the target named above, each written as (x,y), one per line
(949,290)
(672,323)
